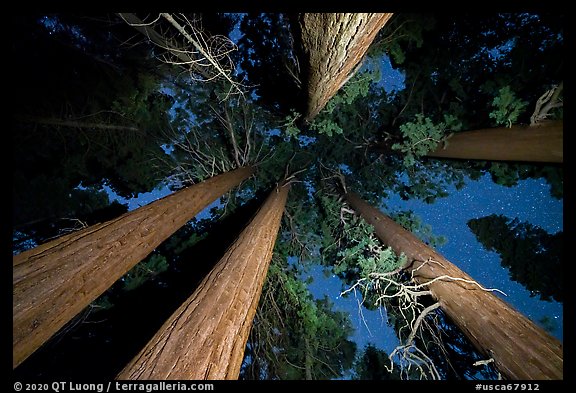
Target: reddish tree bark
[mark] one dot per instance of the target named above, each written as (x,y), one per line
(539,143)
(206,337)
(331,45)
(56,280)
(520,349)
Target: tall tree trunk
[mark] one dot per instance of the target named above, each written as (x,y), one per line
(538,143)
(520,349)
(308,362)
(76,124)
(56,280)
(330,46)
(206,337)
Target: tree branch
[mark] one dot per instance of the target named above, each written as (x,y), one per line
(163,42)
(204,50)
(546,103)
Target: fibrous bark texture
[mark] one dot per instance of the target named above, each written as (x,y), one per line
(520,349)
(539,143)
(206,337)
(55,281)
(331,45)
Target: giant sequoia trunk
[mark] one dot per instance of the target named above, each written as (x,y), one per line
(330,46)
(206,337)
(56,280)
(520,349)
(540,143)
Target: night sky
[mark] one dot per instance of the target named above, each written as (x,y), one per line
(529,201)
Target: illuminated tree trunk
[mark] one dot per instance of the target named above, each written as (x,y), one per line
(520,349)
(206,337)
(56,280)
(330,46)
(540,143)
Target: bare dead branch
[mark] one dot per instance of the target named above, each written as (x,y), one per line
(213,55)
(170,45)
(450,278)
(418,321)
(548,101)
(190,48)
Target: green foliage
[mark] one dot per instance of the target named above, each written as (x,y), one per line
(336,115)
(481,54)
(504,174)
(403,30)
(184,244)
(451,81)
(239,135)
(457,88)
(552,174)
(298,234)
(384,260)
(507,107)
(327,127)
(358,86)
(413,223)
(368,264)
(53,209)
(289,125)
(144,271)
(102,303)
(268,62)
(88,80)
(422,136)
(508,174)
(295,336)
(373,365)
(350,246)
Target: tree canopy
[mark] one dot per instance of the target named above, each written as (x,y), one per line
(533,256)
(101,110)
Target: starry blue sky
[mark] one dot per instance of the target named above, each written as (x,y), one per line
(529,201)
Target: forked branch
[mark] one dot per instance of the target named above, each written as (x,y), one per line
(546,103)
